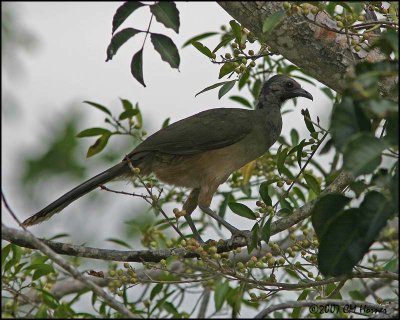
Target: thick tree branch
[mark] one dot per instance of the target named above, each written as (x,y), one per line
(321,53)
(18,237)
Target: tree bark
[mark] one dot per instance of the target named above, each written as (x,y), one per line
(323,54)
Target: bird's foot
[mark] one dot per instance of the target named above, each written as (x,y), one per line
(246,234)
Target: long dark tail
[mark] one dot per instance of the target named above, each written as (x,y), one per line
(76,193)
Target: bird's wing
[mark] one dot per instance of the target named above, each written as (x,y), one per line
(207,130)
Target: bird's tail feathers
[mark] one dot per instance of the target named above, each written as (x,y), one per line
(87,186)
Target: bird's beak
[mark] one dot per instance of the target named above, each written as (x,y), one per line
(303,93)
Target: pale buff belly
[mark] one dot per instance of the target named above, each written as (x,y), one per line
(210,168)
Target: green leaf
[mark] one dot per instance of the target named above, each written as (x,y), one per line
(98,106)
(139,116)
(328,145)
(358,187)
(128,114)
(167,49)
(338,257)
(328,92)
(394,187)
(285,204)
(392,130)
(299,194)
(137,67)
(98,145)
(242,210)
(391,266)
(388,43)
(330,288)
(220,294)
(42,270)
(226,38)
(300,147)
(263,191)
(226,69)
(156,290)
(170,308)
(242,101)
(273,21)
(126,104)
(347,120)
(255,91)
(215,85)
(17,253)
(118,40)
(165,123)
(281,159)
(49,299)
(243,78)
(124,12)
(307,117)
(380,108)
(357,295)
(324,211)
(93,132)
(237,30)
(254,238)
(296,311)
(166,13)
(292,273)
(290,68)
(362,154)
(226,88)
(348,234)
(330,8)
(4,253)
(199,37)
(42,312)
(313,183)
(120,242)
(266,230)
(203,49)
(294,137)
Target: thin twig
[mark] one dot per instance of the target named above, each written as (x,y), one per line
(204,304)
(147,31)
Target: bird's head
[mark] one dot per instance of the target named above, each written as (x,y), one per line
(280,88)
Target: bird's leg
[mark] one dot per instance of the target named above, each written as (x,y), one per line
(189,206)
(234,231)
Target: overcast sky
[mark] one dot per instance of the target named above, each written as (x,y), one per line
(68,66)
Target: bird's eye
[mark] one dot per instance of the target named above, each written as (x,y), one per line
(289,84)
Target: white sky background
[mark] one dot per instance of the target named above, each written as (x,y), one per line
(69,66)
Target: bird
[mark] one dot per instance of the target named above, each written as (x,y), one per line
(199,152)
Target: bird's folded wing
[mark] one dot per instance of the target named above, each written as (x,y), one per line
(207,130)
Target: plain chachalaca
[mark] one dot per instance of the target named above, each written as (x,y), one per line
(199,152)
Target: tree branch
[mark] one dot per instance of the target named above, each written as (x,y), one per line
(321,53)
(18,237)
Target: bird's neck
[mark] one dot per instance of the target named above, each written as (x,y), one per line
(268,101)
(270,110)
